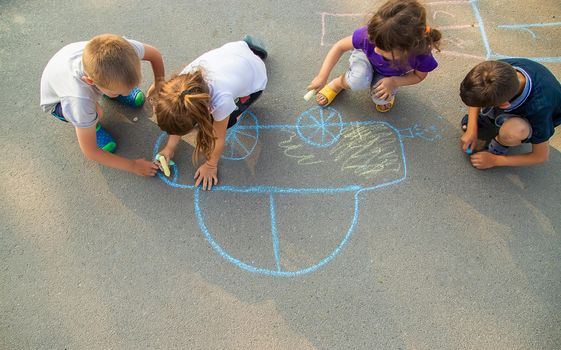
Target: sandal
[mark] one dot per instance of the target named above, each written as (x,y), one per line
(329,94)
(498,148)
(379,107)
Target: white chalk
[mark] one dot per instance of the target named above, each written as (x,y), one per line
(135,119)
(308,96)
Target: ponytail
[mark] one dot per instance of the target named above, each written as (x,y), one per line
(183,104)
(433,37)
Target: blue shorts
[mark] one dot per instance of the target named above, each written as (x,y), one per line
(57,113)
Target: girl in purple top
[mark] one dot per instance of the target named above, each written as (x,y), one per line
(393,50)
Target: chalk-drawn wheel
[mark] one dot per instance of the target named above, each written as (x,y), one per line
(320,127)
(298,263)
(242,137)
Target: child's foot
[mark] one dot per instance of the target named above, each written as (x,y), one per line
(328,93)
(498,148)
(104,140)
(256,45)
(134,99)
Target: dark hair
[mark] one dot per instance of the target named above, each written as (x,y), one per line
(402,25)
(183,103)
(489,84)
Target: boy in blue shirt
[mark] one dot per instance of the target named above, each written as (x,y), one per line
(520,97)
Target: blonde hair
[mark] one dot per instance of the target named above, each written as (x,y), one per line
(111,61)
(182,104)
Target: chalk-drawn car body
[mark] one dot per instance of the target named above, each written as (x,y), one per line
(358,156)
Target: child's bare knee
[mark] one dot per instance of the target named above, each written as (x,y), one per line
(514,130)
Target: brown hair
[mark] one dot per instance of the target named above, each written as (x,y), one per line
(111,61)
(402,25)
(488,84)
(183,103)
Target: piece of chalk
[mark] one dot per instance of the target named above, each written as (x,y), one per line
(468,151)
(308,96)
(164,164)
(135,119)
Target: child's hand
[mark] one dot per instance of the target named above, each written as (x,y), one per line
(142,167)
(483,160)
(207,173)
(384,88)
(167,153)
(469,140)
(317,83)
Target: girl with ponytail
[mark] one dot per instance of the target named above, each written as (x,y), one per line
(210,94)
(393,50)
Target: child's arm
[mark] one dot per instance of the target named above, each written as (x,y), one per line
(207,173)
(485,160)
(330,61)
(152,55)
(469,138)
(384,87)
(87,141)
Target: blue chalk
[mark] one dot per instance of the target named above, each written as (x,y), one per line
(469,151)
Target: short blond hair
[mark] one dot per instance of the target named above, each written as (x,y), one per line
(111,61)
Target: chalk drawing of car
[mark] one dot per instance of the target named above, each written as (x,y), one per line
(350,157)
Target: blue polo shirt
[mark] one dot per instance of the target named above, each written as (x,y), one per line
(540,102)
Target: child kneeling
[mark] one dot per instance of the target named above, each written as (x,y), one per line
(211,93)
(518,96)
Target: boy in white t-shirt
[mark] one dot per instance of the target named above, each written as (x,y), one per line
(75,79)
(211,93)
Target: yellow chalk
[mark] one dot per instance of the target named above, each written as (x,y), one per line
(308,96)
(164,164)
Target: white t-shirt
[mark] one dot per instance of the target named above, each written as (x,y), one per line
(62,82)
(231,71)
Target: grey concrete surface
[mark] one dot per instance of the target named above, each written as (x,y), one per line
(448,258)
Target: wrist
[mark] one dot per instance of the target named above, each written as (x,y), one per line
(495,160)
(322,76)
(211,164)
(472,129)
(131,165)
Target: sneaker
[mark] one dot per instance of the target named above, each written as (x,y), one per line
(134,99)
(104,140)
(256,45)
(496,147)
